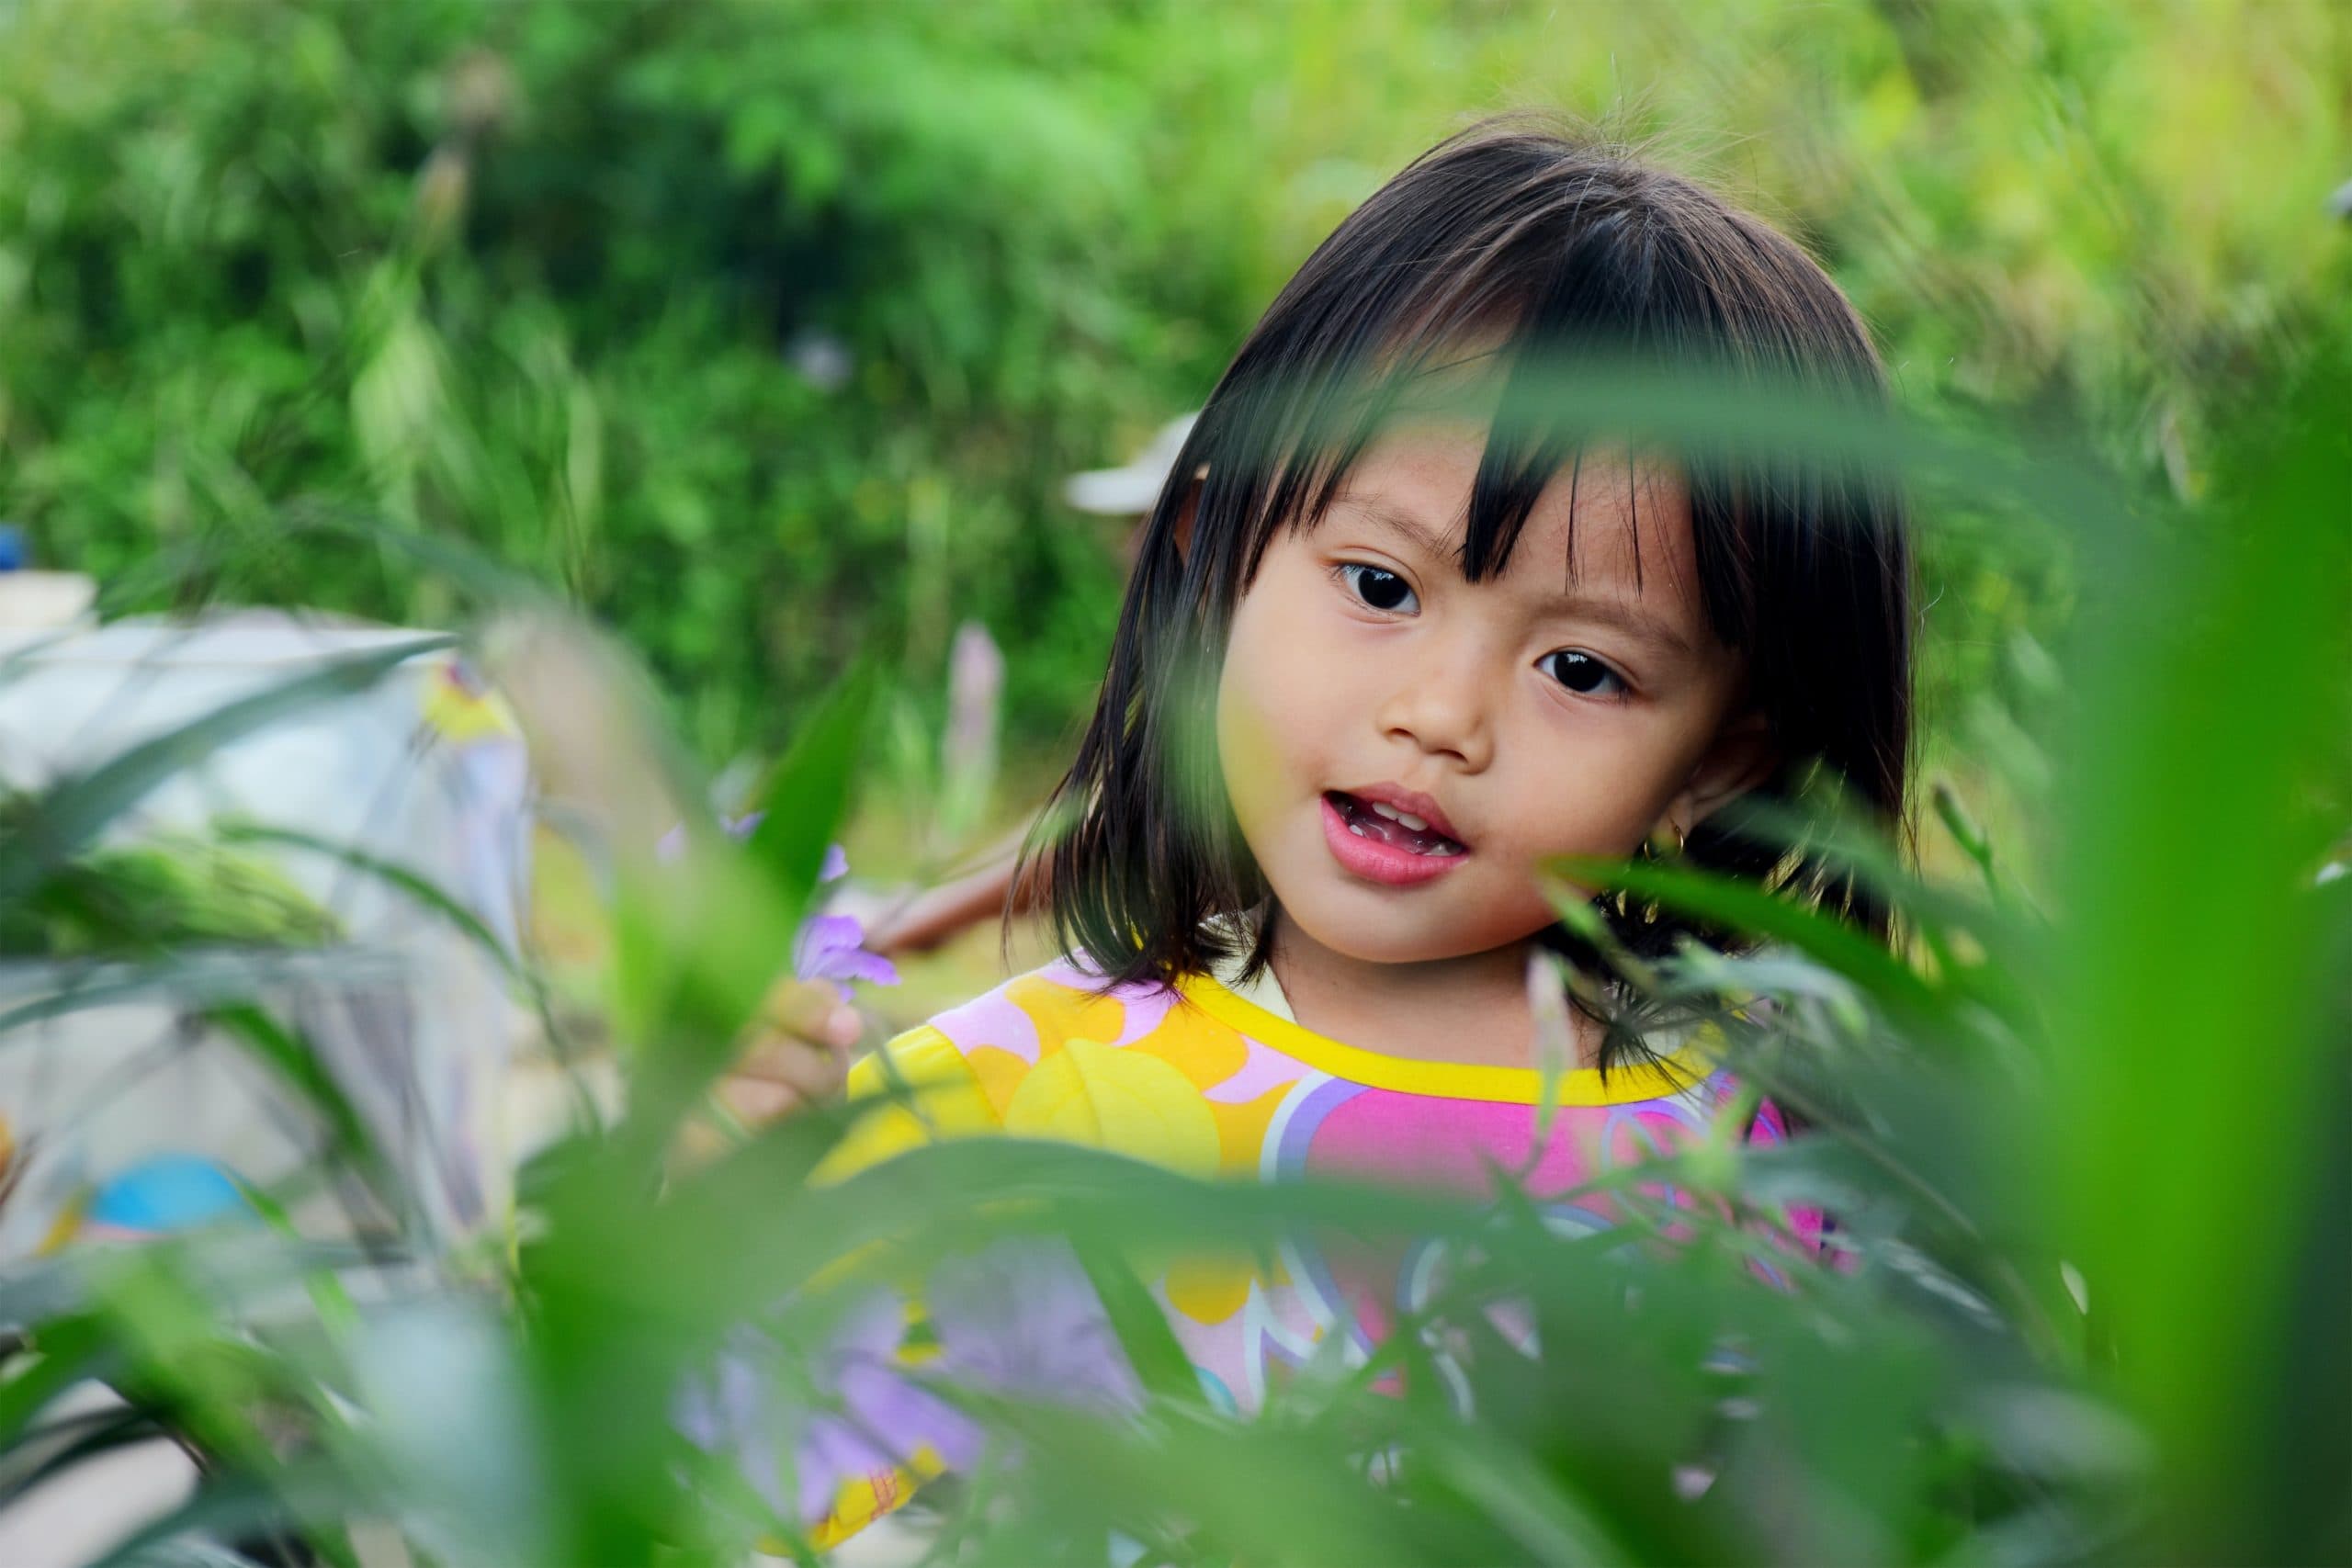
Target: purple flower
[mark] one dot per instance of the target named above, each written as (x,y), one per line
(884,1419)
(1021,1318)
(975,692)
(673,843)
(832,947)
(873,1417)
(829,947)
(1018,1318)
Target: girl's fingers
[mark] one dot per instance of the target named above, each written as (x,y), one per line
(810,1068)
(811,1010)
(756,1101)
(750,1104)
(799,1053)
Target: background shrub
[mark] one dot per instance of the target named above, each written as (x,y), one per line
(767,330)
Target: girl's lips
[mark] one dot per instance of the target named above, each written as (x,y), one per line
(1376,860)
(1393,800)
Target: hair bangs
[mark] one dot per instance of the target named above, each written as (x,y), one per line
(1322,392)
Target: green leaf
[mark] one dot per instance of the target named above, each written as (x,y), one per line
(807,796)
(1744,907)
(1152,1348)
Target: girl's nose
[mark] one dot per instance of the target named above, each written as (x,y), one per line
(1443,706)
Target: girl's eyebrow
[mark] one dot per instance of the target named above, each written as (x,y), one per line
(1615,614)
(1431,541)
(1625,619)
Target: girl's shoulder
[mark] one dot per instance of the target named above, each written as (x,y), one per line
(1035,1014)
(987,1049)
(1055,1053)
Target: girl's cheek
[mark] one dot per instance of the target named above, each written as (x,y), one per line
(1250,755)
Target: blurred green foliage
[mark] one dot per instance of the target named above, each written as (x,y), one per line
(765,333)
(572,284)
(2086,1150)
(158,895)
(767,330)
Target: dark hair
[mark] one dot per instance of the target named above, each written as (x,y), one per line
(1550,242)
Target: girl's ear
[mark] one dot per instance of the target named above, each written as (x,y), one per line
(1742,757)
(1188,511)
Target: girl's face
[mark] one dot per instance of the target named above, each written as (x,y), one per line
(1401,746)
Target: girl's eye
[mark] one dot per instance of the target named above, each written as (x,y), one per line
(1380,588)
(1582,673)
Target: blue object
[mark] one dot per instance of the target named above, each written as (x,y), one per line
(12,547)
(169,1193)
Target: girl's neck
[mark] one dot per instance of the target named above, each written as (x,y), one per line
(1472,1010)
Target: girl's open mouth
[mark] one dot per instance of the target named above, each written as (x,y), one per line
(1384,845)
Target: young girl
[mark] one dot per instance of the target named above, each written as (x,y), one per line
(1375,666)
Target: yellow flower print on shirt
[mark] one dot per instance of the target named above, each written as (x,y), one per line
(942,1099)
(1102,1097)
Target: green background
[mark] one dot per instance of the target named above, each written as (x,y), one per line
(536,276)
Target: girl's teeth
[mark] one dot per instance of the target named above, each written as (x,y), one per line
(1357,828)
(1407,818)
(1388,811)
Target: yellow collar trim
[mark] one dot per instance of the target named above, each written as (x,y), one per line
(1684,1067)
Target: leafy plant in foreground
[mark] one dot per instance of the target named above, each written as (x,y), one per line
(2080,1149)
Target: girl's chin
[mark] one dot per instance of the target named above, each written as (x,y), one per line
(1381,936)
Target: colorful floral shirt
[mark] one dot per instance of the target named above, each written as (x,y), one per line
(1204,1080)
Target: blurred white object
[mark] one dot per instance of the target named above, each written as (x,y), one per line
(44,601)
(821,359)
(38,600)
(1134,489)
(76,1517)
(114,1112)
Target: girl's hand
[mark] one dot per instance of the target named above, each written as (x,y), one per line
(798,1053)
